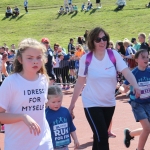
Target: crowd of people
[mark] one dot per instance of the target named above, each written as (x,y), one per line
(16,11)
(25,105)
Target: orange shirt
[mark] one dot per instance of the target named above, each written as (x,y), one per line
(79,53)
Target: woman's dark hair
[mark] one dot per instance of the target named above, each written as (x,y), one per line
(140,52)
(93,35)
(122,49)
(80,40)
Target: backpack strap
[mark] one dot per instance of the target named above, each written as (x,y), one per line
(89,58)
(112,57)
(87,62)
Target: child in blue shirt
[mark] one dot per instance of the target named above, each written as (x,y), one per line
(59,120)
(140,105)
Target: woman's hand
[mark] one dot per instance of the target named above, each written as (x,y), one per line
(71,107)
(32,125)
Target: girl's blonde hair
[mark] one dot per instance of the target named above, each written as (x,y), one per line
(80,47)
(126,42)
(54,91)
(24,45)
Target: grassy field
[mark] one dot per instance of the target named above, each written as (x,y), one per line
(43,21)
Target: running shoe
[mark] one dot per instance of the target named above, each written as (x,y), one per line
(68,87)
(127,138)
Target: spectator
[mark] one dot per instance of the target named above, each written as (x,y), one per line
(89,5)
(80,40)
(75,8)
(142,38)
(56,67)
(98,4)
(136,45)
(85,35)
(61,10)
(70,2)
(129,52)
(10,61)
(120,48)
(83,7)
(71,50)
(121,4)
(64,65)
(8,12)
(26,6)
(16,11)
(147,5)
(111,45)
(50,62)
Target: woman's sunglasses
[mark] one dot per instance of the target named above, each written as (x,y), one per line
(97,40)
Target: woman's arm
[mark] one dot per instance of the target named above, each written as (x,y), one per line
(131,79)
(78,87)
(8,118)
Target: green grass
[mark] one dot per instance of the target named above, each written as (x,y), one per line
(43,21)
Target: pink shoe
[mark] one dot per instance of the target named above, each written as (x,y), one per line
(111,135)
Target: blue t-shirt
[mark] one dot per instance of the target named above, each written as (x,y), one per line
(143,80)
(61,125)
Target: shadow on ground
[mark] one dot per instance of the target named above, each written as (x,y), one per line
(84,146)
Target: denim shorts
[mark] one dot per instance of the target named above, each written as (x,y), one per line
(140,111)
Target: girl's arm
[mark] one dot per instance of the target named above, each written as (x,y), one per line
(76,142)
(8,118)
(131,79)
(78,87)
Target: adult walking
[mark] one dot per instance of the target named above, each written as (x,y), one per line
(26,5)
(98,95)
(50,58)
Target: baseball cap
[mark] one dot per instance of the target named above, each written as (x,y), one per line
(45,40)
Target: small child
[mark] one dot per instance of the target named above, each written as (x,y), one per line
(61,10)
(141,105)
(75,8)
(59,120)
(83,7)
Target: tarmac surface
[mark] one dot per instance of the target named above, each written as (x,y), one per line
(123,118)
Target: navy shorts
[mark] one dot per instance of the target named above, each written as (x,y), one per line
(72,64)
(140,111)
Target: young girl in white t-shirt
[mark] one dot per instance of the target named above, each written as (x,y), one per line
(23,98)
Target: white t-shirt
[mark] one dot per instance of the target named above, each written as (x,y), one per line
(20,96)
(57,60)
(0,68)
(101,80)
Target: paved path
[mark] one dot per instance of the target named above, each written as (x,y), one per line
(123,118)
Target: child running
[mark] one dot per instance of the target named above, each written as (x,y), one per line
(60,120)
(23,98)
(140,106)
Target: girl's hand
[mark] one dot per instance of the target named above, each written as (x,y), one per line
(137,92)
(76,144)
(32,125)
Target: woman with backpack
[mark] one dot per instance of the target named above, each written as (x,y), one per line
(98,70)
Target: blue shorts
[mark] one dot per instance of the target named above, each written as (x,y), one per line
(140,111)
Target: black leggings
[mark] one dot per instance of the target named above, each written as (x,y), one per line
(57,72)
(99,119)
(26,9)
(65,74)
